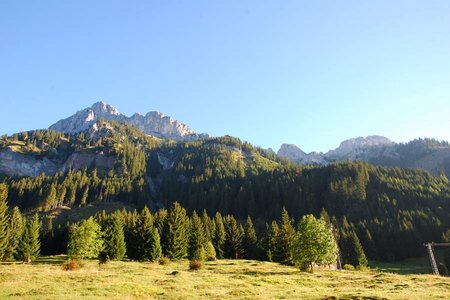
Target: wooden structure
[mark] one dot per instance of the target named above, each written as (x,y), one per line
(430,248)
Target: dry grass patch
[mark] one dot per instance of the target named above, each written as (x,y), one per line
(221,279)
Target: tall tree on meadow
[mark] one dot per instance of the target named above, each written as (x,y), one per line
(85,239)
(176,233)
(250,240)
(197,239)
(285,239)
(314,244)
(218,235)
(16,227)
(29,246)
(114,246)
(4,220)
(233,238)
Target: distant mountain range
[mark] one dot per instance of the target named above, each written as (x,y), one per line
(427,154)
(153,123)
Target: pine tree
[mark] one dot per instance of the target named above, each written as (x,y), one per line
(4,220)
(114,247)
(270,241)
(16,227)
(197,239)
(233,238)
(285,239)
(144,235)
(218,235)
(207,225)
(29,245)
(350,246)
(250,240)
(176,233)
(130,232)
(48,238)
(155,250)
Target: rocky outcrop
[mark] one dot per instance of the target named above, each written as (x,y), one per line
(153,123)
(296,155)
(17,165)
(354,148)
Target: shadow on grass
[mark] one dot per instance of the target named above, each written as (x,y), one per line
(51,260)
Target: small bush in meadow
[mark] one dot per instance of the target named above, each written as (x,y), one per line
(72,264)
(348,267)
(164,260)
(195,265)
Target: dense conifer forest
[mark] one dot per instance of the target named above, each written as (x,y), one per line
(378,212)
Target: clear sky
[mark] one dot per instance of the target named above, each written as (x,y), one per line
(311,73)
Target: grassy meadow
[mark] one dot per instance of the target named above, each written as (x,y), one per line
(221,279)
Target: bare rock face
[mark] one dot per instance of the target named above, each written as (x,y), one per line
(15,164)
(295,154)
(354,148)
(153,123)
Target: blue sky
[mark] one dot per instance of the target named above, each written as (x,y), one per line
(312,73)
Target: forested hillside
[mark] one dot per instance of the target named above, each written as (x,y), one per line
(392,210)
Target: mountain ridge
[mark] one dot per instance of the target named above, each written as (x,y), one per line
(154,123)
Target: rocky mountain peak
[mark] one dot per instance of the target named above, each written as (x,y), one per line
(351,148)
(154,123)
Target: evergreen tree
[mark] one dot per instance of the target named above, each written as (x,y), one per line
(130,232)
(155,249)
(176,233)
(285,239)
(250,240)
(144,235)
(207,226)
(29,246)
(4,220)
(197,239)
(85,239)
(114,247)
(16,227)
(314,243)
(219,235)
(350,246)
(269,242)
(233,238)
(48,238)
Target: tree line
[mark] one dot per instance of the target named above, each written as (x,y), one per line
(147,236)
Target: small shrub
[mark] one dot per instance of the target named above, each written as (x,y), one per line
(71,265)
(163,260)
(348,267)
(362,268)
(195,265)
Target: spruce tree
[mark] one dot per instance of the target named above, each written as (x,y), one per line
(350,246)
(144,229)
(16,227)
(130,232)
(270,241)
(250,240)
(219,235)
(285,239)
(233,238)
(4,220)
(114,247)
(197,239)
(29,245)
(207,225)
(176,233)
(155,249)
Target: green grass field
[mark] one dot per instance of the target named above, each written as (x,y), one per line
(222,279)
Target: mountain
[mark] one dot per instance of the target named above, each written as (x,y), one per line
(295,154)
(153,123)
(427,154)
